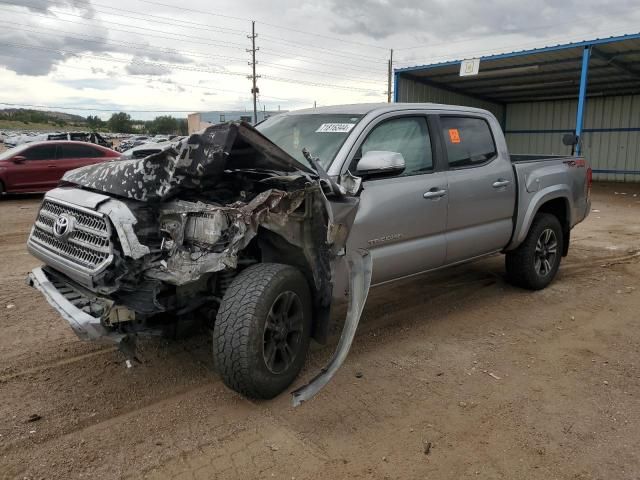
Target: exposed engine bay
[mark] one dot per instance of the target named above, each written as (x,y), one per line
(138,245)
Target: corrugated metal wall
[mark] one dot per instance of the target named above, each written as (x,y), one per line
(412,91)
(611,137)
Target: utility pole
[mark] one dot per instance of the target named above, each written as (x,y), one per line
(389,75)
(253,77)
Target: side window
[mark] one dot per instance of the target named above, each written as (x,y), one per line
(408,136)
(468,140)
(78,151)
(40,152)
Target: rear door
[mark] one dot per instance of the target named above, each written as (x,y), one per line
(37,172)
(401,219)
(76,155)
(481,187)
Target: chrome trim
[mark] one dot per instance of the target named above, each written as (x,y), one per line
(84,254)
(85,326)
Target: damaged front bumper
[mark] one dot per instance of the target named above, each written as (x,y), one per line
(60,296)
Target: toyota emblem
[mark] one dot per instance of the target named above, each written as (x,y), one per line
(63,226)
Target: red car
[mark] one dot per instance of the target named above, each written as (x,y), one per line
(39,166)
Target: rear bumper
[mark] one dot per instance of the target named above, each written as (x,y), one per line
(86,326)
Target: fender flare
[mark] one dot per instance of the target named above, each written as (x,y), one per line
(545,195)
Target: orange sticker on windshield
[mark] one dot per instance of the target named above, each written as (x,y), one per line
(454,135)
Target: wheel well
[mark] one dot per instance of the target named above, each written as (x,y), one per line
(559,207)
(276,249)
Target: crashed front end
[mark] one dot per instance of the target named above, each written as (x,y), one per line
(132,246)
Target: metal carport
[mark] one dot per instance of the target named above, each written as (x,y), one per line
(591,88)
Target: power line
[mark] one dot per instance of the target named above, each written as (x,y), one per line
(172,23)
(96,109)
(145,48)
(220,43)
(235,46)
(214,14)
(323,49)
(120,60)
(147,78)
(182,67)
(87,38)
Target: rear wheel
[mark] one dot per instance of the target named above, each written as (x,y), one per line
(262,330)
(534,264)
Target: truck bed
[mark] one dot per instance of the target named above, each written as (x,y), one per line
(522,158)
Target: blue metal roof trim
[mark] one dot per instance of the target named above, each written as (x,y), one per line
(522,53)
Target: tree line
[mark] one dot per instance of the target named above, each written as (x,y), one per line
(123,123)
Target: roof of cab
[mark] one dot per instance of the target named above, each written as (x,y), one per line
(379,108)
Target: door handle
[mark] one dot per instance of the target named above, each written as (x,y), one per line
(434,194)
(51,166)
(501,183)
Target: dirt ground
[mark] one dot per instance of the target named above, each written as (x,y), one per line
(453,375)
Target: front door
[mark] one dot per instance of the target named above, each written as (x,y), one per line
(401,219)
(37,171)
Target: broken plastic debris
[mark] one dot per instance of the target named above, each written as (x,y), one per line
(128,363)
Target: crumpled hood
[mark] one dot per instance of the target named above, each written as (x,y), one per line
(196,163)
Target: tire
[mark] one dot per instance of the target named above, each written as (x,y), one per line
(526,266)
(250,325)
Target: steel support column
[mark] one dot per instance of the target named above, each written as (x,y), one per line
(396,81)
(582,96)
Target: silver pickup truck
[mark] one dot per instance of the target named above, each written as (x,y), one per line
(260,232)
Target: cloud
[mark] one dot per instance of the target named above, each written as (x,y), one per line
(45,6)
(446,20)
(94,83)
(139,67)
(35,49)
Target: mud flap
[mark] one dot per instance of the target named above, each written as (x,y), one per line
(360,267)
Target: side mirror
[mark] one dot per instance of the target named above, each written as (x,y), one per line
(19,159)
(570,139)
(376,162)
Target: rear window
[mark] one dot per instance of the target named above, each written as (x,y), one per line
(468,140)
(78,151)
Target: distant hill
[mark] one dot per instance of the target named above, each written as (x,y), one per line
(41,116)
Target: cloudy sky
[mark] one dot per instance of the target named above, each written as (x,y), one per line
(190,55)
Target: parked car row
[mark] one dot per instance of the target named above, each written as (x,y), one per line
(138,140)
(12,140)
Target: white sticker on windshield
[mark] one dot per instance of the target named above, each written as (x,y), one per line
(335,127)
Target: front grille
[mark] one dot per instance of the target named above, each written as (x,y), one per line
(88,246)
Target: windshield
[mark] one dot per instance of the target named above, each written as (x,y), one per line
(321,134)
(14,151)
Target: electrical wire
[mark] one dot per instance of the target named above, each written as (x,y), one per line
(145,48)
(182,67)
(215,14)
(275,53)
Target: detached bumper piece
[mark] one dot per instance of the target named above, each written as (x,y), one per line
(83,310)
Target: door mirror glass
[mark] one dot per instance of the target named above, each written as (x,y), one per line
(18,159)
(570,139)
(380,162)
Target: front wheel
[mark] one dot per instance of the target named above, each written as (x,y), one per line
(534,264)
(263,329)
